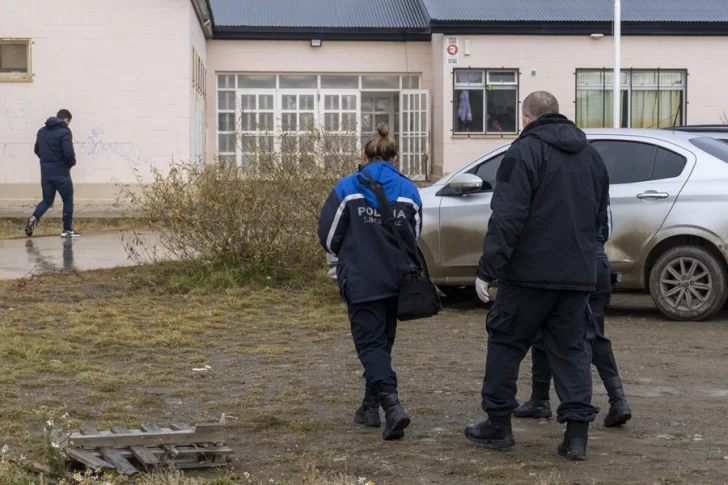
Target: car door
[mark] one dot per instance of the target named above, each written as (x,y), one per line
(463,222)
(646,176)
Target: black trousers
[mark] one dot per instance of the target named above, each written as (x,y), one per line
(374,328)
(601,346)
(513,323)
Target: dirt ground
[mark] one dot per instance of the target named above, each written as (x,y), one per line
(108,350)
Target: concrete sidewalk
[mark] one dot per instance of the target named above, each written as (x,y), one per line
(22,257)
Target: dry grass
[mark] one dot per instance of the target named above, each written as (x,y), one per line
(15,228)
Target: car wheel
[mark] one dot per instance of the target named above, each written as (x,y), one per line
(688,283)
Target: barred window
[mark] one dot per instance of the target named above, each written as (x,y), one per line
(485,101)
(649,98)
(15,60)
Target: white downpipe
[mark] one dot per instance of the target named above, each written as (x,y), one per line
(617,62)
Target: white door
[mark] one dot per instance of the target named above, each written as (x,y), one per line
(341,122)
(414,132)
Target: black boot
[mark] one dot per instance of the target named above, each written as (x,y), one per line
(538,406)
(396,418)
(492,433)
(574,445)
(368,413)
(619,411)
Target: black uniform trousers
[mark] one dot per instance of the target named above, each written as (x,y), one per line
(601,346)
(374,328)
(513,323)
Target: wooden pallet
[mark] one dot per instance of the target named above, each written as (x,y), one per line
(127,450)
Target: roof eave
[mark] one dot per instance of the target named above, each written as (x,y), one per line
(326,33)
(577,28)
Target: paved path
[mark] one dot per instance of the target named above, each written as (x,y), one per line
(22,257)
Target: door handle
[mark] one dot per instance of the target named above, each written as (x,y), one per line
(652,194)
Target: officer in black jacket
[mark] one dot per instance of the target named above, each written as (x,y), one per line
(602,356)
(550,199)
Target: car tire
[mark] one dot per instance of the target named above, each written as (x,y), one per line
(688,283)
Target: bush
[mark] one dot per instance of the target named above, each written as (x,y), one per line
(259,217)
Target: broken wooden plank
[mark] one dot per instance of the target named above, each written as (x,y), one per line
(145,457)
(166,437)
(153,428)
(210,433)
(88,459)
(183,451)
(121,464)
(180,426)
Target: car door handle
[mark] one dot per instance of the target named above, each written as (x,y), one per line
(651,194)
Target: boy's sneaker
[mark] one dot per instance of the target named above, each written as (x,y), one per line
(30,226)
(69,233)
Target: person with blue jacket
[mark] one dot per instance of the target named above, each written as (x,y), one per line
(602,356)
(54,147)
(371,267)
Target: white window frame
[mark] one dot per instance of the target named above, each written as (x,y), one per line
(411,159)
(341,111)
(483,86)
(239,93)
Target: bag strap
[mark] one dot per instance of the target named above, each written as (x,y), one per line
(388,215)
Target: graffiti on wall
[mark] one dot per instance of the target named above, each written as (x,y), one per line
(98,147)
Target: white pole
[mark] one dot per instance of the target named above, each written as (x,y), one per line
(617,62)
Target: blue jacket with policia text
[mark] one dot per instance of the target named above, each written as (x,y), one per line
(371,265)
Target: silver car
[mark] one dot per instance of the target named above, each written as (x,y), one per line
(669,199)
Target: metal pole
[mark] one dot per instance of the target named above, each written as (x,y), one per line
(617,83)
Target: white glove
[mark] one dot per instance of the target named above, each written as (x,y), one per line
(481,287)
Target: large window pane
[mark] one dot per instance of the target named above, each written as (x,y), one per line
(288,101)
(331,122)
(298,82)
(256,81)
(307,121)
(501,110)
(410,82)
(306,102)
(469,115)
(333,81)
(348,102)
(289,122)
(226,143)
(380,82)
(226,122)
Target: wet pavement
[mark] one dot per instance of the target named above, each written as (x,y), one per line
(24,257)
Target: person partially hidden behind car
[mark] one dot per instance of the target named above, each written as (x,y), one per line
(54,147)
(371,267)
(550,200)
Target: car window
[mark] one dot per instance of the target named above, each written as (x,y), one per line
(487,170)
(627,161)
(667,165)
(719,149)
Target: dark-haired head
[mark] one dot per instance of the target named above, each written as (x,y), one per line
(381,146)
(65,115)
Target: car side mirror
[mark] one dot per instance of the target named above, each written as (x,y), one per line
(465,183)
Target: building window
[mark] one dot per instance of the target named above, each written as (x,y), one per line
(485,101)
(279,111)
(15,60)
(649,98)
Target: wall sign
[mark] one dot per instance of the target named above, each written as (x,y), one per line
(452,50)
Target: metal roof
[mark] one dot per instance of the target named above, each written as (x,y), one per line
(576,10)
(336,14)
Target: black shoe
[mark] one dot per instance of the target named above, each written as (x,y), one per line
(396,418)
(619,411)
(30,226)
(533,409)
(492,435)
(69,233)
(573,447)
(368,413)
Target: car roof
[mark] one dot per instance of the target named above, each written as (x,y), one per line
(677,137)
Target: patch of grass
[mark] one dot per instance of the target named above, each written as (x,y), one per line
(13,228)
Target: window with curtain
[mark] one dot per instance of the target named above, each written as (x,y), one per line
(649,98)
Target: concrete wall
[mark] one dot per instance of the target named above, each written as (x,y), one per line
(556,58)
(298,56)
(121,68)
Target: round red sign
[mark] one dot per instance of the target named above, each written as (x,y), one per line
(452,50)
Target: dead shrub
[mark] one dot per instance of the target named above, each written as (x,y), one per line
(258,216)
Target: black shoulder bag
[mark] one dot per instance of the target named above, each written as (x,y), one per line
(418,297)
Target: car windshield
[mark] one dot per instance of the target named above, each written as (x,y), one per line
(712,146)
